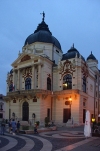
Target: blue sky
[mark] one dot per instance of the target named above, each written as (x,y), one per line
(70,21)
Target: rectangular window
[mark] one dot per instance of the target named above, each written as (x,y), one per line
(14,101)
(1,115)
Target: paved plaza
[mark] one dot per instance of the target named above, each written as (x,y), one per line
(63,139)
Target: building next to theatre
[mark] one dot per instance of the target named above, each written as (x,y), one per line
(2,107)
(45,82)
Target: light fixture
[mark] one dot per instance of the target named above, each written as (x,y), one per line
(70,99)
(65,84)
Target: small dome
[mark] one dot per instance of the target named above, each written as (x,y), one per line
(42,34)
(71,53)
(91,56)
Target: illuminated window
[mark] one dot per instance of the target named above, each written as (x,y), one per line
(67,82)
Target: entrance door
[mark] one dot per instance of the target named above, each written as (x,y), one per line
(84,113)
(66,115)
(25,111)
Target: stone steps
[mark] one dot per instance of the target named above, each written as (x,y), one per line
(24,123)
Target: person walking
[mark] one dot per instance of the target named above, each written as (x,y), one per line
(3,124)
(13,124)
(18,127)
(10,126)
(35,128)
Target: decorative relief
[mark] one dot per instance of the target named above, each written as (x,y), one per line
(84,69)
(27,72)
(44,96)
(49,75)
(91,87)
(67,67)
(35,61)
(10,79)
(25,58)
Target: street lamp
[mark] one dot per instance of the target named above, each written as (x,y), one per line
(70,100)
(93,121)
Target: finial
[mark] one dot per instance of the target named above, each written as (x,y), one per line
(43,15)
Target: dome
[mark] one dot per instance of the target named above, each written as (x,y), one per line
(42,34)
(91,56)
(71,53)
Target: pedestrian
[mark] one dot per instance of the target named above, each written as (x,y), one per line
(18,127)
(3,124)
(10,126)
(13,124)
(35,128)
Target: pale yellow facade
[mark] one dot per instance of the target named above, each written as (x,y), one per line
(36,62)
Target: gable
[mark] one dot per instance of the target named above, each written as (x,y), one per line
(25,58)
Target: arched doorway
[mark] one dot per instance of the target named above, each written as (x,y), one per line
(25,111)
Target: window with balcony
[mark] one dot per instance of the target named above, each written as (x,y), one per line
(67,82)
(28,84)
(11,88)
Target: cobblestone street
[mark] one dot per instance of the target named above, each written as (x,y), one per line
(63,139)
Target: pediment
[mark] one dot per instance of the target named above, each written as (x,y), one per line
(22,58)
(25,58)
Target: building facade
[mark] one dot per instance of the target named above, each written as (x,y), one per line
(2,107)
(44,82)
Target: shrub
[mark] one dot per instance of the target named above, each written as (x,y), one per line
(37,122)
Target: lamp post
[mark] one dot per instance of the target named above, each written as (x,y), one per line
(70,100)
(93,121)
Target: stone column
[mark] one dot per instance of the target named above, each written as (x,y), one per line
(14,79)
(33,77)
(39,76)
(18,80)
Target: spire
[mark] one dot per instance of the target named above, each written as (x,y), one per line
(73,45)
(43,15)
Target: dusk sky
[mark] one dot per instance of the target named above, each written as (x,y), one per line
(70,21)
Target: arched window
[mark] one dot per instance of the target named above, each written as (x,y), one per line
(84,84)
(11,88)
(28,84)
(67,82)
(48,83)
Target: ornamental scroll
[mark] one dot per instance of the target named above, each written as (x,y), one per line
(27,72)
(67,67)
(84,69)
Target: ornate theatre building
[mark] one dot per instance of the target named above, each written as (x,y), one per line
(44,82)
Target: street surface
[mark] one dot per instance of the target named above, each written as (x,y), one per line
(64,139)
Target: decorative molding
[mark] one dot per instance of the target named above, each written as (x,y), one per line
(44,96)
(84,69)
(27,72)
(66,67)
